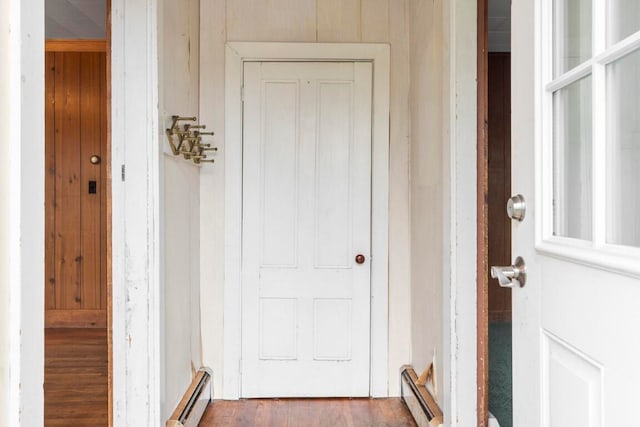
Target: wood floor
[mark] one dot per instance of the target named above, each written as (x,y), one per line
(75,377)
(75,389)
(307,412)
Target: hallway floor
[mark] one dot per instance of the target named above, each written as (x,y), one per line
(75,377)
(308,412)
(76,394)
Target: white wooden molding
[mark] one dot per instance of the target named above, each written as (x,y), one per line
(22,213)
(236,54)
(135,152)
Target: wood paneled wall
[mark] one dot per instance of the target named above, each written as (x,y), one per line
(499,179)
(75,218)
(310,20)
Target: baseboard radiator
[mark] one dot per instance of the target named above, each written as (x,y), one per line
(194,402)
(421,404)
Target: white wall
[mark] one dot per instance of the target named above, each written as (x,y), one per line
(427,105)
(5,224)
(21,212)
(180,207)
(443,199)
(304,21)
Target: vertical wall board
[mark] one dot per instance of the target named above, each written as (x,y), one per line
(5,212)
(67,143)
(180,230)
(103,182)
(374,20)
(499,165)
(399,219)
(427,180)
(50,189)
(90,87)
(212,93)
(179,206)
(275,20)
(338,20)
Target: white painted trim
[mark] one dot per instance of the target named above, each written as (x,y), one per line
(22,216)
(460,213)
(236,54)
(595,253)
(135,214)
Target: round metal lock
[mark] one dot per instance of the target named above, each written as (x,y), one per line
(359,259)
(95,159)
(516,207)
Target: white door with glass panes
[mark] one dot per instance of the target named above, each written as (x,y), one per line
(576,161)
(306,229)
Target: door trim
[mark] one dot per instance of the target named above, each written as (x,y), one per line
(75,45)
(482,215)
(236,54)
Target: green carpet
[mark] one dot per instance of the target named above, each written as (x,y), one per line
(500,386)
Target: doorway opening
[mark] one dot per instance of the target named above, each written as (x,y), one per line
(494,226)
(77,200)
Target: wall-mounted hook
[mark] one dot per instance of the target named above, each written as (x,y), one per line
(186,140)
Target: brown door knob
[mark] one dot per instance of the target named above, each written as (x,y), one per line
(359,259)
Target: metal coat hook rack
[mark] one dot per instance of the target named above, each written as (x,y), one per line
(186,139)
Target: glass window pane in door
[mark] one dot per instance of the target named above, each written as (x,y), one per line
(623,166)
(572,34)
(572,160)
(623,19)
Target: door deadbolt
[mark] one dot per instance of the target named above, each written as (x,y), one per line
(516,207)
(509,277)
(95,159)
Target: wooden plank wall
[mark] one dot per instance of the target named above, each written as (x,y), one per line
(75,117)
(310,20)
(499,179)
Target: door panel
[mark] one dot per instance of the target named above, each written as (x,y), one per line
(306,214)
(75,267)
(575,346)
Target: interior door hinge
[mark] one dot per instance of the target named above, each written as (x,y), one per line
(122,172)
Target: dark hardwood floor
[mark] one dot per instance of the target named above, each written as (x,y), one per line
(75,389)
(307,412)
(75,377)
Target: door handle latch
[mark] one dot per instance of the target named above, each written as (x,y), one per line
(510,276)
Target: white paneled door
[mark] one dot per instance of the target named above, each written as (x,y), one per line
(306,229)
(576,147)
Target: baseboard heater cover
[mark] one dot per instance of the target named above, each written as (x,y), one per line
(194,402)
(421,404)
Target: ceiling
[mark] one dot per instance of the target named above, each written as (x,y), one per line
(75,19)
(499,25)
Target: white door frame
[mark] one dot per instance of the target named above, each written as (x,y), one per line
(135,214)
(22,213)
(236,54)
